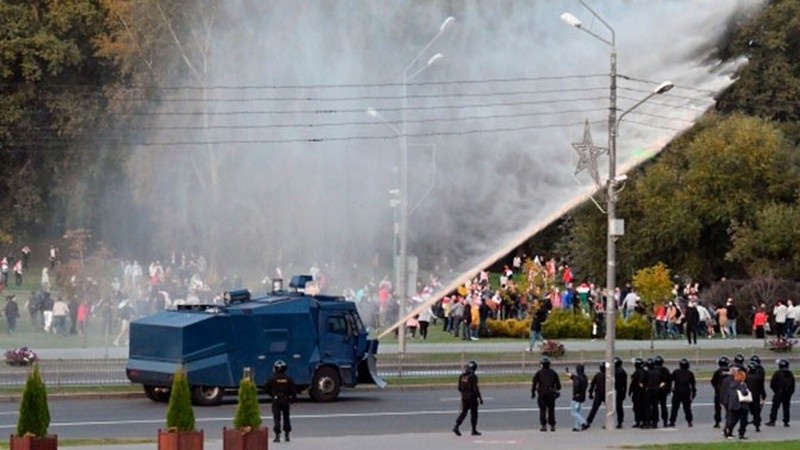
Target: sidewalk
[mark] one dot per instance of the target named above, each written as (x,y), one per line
(562,438)
(747,345)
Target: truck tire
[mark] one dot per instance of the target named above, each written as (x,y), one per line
(207,395)
(157,394)
(326,384)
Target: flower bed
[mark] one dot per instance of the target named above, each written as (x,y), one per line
(781,344)
(22,356)
(553,349)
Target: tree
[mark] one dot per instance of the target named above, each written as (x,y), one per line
(653,285)
(248,413)
(768,243)
(180,415)
(34,413)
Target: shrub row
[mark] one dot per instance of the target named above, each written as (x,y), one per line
(564,324)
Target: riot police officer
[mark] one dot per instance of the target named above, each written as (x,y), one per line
(547,384)
(782,385)
(756,385)
(738,362)
(597,393)
(666,388)
(654,384)
(283,392)
(637,393)
(719,375)
(470,397)
(620,386)
(684,390)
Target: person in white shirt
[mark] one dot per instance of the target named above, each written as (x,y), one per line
(779,312)
(629,304)
(705,319)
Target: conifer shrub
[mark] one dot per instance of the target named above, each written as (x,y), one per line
(566,323)
(248,412)
(34,413)
(637,327)
(180,414)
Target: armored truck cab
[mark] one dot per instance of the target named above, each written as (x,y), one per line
(321,338)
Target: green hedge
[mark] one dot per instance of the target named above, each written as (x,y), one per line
(637,327)
(564,323)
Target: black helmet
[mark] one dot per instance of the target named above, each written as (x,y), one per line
(783,363)
(724,362)
(546,362)
(279,366)
(755,359)
(684,364)
(602,367)
(752,366)
(738,359)
(617,362)
(658,361)
(650,363)
(638,363)
(472,366)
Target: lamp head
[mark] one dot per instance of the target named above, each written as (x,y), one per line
(571,20)
(664,87)
(434,58)
(446,24)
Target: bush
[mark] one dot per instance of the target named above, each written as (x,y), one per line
(248,413)
(636,327)
(34,414)
(509,328)
(180,415)
(563,323)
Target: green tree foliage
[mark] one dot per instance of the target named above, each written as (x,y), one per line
(180,414)
(768,85)
(34,413)
(248,413)
(653,284)
(768,243)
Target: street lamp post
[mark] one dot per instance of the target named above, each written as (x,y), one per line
(615,226)
(402,210)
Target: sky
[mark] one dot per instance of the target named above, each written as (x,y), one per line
(277,164)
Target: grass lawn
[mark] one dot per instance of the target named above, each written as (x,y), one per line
(761,445)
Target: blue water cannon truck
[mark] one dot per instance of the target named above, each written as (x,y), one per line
(321,338)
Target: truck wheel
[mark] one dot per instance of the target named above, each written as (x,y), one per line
(157,393)
(207,395)
(326,385)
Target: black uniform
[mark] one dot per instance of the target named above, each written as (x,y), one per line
(717,379)
(637,393)
(756,385)
(655,383)
(782,385)
(621,388)
(470,397)
(666,376)
(283,392)
(684,390)
(547,384)
(597,393)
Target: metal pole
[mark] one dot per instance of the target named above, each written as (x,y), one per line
(611,263)
(402,271)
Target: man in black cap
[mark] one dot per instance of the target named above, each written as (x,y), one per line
(637,393)
(283,392)
(621,388)
(719,375)
(684,390)
(782,385)
(756,384)
(548,386)
(470,397)
(597,393)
